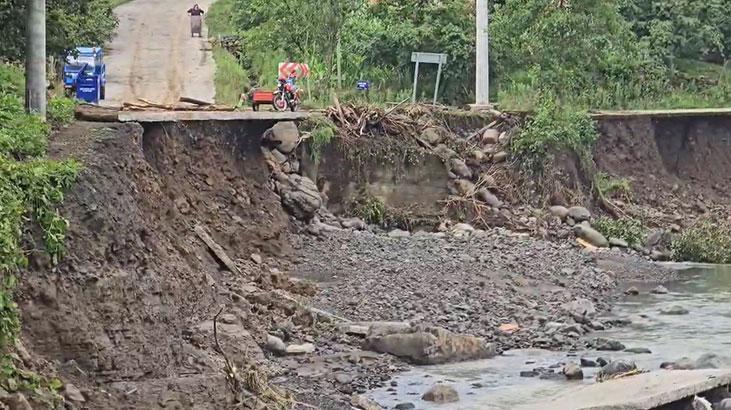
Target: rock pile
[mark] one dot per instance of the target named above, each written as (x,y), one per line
(299,194)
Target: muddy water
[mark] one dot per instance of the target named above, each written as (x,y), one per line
(704,290)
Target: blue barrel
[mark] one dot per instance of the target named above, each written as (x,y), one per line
(88,88)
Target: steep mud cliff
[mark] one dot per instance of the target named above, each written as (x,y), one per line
(127,315)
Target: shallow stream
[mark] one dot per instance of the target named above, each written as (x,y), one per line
(703,290)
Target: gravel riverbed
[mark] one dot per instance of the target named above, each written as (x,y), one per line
(472,284)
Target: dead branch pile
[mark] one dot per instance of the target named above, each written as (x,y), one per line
(360,120)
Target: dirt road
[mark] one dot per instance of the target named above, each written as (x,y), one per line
(154,56)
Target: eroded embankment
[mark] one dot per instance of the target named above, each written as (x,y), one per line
(672,162)
(127,315)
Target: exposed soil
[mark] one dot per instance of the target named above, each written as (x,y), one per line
(678,168)
(127,315)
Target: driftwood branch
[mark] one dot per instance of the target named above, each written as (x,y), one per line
(217,250)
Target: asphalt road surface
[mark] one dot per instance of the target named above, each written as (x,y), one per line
(154,56)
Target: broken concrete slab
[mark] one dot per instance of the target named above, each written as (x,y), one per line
(642,392)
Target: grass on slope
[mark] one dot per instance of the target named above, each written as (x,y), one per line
(231,78)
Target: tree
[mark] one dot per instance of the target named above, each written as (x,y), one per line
(69,23)
(681,28)
(571,48)
(442,26)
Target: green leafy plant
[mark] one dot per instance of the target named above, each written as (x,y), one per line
(629,230)
(553,128)
(31,188)
(368,208)
(705,242)
(61,110)
(9,323)
(322,131)
(609,186)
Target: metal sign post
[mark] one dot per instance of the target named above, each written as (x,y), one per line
(427,58)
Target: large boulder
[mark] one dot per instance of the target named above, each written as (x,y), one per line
(15,401)
(459,168)
(579,214)
(604,344)
(433,136)
(674,310)
(441,394)
(299,194)
(559,211)
(615,368)
(283,136)
(430,345)
(489,198)
(705,361)
(580,307)
(591,235)
(572,371)
(462,187)
(490,136)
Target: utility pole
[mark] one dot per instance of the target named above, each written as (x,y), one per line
(35,58)
(482,82)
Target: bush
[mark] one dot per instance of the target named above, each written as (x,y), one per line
(31,187)
(554,128)
(370,209)
(12,80)
(609,186)
(9,323)
(630,230)
(322,131)
(705,242)
(21,135)
(61,110)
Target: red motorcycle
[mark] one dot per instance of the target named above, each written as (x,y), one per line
(286,97)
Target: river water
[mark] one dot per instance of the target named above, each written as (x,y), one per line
(703,290)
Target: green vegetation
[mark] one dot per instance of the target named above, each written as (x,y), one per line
(373,211)
(368,208)
(706,242)
(69,23)
(61,110)
(588,54)
(554,128)
(231,79)
(321,131)
(630,230)
(31,187)
(609,186)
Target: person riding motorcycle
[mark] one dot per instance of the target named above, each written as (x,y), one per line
(291,79)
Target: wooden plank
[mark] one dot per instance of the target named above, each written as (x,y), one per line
(216,249)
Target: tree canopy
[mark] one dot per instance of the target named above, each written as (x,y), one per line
(69,23)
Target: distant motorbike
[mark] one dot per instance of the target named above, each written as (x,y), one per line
(286,97)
